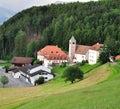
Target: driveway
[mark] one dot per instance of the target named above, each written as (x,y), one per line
(13,82)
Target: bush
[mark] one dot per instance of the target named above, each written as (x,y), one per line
(40,80)
(63,64)
(83,62)
(38,62)
(6,69)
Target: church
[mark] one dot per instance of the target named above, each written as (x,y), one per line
(79,53)
(52,54)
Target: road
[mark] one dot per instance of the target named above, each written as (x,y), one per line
(13,82)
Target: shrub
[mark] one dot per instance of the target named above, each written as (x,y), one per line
(38,62)
(63,64)
(40,80)
(6,69)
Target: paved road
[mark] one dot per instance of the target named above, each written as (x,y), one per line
(13,82)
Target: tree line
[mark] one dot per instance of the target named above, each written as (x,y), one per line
(30,30)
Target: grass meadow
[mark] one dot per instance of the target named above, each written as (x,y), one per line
(98,90)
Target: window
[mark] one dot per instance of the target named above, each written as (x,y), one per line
(45,78)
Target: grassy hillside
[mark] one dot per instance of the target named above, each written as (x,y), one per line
(60,95)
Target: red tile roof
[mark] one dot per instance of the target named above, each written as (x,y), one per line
(117,57)
(96,47)
(82,49)
(52,52)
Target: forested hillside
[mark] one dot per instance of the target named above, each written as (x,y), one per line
(32,29)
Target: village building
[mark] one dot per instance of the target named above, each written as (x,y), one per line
(79,53)
(31,73)
(22,61)
(51,54)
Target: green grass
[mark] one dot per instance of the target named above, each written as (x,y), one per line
(89,93)
(104,95)
(58,71)
(87,68)
(6,63)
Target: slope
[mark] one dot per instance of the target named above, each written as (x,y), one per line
(104,95)
(10,98)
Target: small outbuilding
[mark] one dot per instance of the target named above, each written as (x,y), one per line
(22,61)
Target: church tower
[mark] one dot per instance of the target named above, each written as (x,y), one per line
(72,48)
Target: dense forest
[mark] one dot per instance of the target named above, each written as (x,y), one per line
(30,30)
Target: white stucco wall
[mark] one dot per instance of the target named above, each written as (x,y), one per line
(93,56)
(40,58)
(50,62)
(46,78)
(79,57)
(16,75)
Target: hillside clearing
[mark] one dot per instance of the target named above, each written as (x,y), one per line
(16,96)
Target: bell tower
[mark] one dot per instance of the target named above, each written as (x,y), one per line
(72,48)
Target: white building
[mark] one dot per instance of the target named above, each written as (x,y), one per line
(30,73)
(51,55)
(78,53)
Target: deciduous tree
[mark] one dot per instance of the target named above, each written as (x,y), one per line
(72,73)
(4,80)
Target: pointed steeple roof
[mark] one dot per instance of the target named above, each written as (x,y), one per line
(72,38)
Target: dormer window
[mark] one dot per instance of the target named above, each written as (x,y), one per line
(56,51)
(51,51)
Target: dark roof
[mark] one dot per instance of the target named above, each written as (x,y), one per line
(22,60)
(12,68)
(16,70)
(27,68)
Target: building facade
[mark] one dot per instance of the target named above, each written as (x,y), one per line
(30,73)
(52,55)
(79,53)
